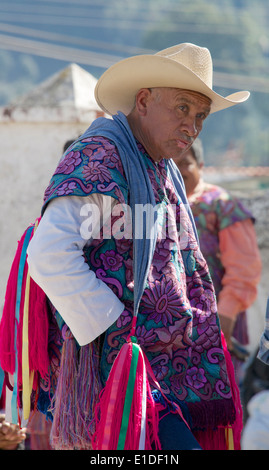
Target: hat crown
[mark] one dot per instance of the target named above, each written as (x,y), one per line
(195,58)
(184,66)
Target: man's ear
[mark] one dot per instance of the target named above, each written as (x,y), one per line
(142,98)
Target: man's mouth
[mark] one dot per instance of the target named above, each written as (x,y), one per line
(183,144)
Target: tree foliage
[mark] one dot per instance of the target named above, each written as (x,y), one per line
(236,33)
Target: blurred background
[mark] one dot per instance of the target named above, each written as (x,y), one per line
(44,100)
(38,38)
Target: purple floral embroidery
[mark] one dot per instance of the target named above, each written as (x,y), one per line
(208,336)
(162,301)
(145,337)
(195,377)
(69,163)
(95,171)
(123,246)
(94,151)
(111,260)
(163,255)
(204,301)
(113,161)
(48,191)
(98,144)
(103,150)
(141,148)
(176,337)
(160,367)
(119,195)
(124,319)
(66,188)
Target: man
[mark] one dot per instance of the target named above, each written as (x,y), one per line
(98,280)
(228,242)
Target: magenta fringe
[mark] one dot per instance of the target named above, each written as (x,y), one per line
(212,414)
(237,425)
(215,438)
(88,388)
(212,439)
(75,399)
(63,434)
(7,324)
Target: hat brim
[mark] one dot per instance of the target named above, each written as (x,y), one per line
(117,87)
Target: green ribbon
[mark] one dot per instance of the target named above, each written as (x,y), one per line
(128,396)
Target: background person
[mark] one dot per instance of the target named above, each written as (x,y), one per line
(228,242)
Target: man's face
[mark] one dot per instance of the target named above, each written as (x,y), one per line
(172,121)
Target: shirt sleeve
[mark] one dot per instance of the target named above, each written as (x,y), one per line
(56,263)
(241,260)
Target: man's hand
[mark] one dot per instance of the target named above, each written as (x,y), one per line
(10,435)
(227,326)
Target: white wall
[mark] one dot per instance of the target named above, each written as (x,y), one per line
(29,156)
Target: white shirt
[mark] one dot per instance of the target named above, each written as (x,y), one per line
(56,263)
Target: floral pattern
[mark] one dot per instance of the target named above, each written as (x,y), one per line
(69,163)
(95,171)
(112,261)
(177,324)
(66,188)
(88,168)
(161,302)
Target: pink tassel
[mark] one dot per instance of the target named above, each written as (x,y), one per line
(134,427)
(38,330)
(133,437)
(111,403)
(63,433)
(77,393)
(7,324)
(88,387)
(38,323)
(110,415)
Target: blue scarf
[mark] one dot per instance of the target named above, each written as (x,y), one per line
(140,189)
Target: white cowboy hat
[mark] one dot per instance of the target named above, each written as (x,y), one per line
(184,66)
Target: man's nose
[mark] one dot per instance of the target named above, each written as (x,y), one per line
(189,126)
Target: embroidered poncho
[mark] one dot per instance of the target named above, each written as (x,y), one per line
(177,323)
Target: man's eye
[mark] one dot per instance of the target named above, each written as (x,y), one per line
(202,116)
